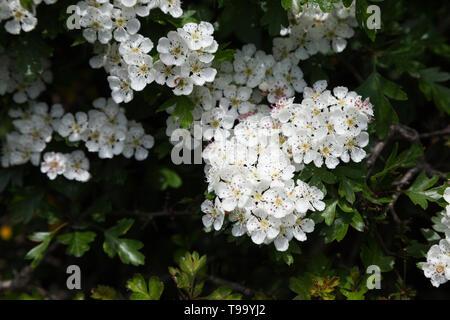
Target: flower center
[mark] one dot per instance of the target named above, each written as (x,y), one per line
(350,122)
(120,22)
(95,25)
(19,15)
(264,224)
(325,151)
(440,268)
(215,124)
(54,164)
(278,202)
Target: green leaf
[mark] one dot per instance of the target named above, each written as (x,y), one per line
(25,204)
(286,4)
(378,89)
(77,242)
(223,293)
(192,263)
(336,231)
(223,54)
(126,249)
(347,189)
(430,235)
(362,17)
(140,291)
(420,193)
(330,211)
(347,3)
(155,288)
(138,285)
(372,254)
(325,5)
(104,293)
(27,4)
(357,221)
(274,17)
(429,85)
(301,285)
(169,178)
(183,109)
(37,253)
(417,250)
(406,159)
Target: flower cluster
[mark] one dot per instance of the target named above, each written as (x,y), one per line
(185,54)
(34,129)
(185,58)
(326,127)
(437,267)
(16,83)
(104,129)
(74,166)
(253,179)
(239,90)
(251,167)
(18,17)
(311,31)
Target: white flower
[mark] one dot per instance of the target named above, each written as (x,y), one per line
(134,48)
(214,214)
(199,72)
(112,141)
(92,135)
(54,164)
(302,226)
(77,166)
(235,193)
(215,119)
(236,99)
(308,198)
(173,49)
(141,73)
(277,203)
(239,218)
(181,83)
(173,7)
(73,126)
(262,226)
(97,25)
(437,267)
(120,85)
(352,147)
(162,72)
(22,19)
(249,68)
(137,143)
(125,24)
(197,36)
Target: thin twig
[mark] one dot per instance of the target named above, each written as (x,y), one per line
(376,151)
(20,279)
(399,190)
(233,285)
(442,132)
(164,213)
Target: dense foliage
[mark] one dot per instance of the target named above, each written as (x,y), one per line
(373,193)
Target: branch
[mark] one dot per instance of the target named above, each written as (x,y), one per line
(442,132)
(164,213)
(376,151)
(407,178)
(233,285)
(20,279)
